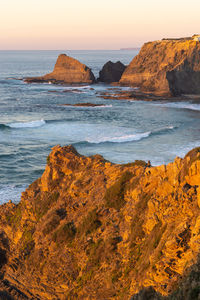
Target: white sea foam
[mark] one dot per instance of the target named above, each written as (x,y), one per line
(181,151)
(11,192)
(163,129)
(129,137)
(88,107)
(78,92)
(190,106)
(79,87)
(181,105)
(30,124)
(121,139)
(103,106)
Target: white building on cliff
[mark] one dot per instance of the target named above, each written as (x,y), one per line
(196,37)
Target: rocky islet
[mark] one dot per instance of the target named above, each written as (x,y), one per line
(67,70)
(111,72)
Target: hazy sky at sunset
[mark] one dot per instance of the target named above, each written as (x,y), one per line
(92,24)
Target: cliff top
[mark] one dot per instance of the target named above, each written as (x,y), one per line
(195,37)
(167,67)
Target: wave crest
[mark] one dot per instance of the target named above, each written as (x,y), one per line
(30,124)
(130,137)
(121,139)
(180,105)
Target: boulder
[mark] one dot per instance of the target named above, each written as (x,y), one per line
(170,67)
(66,70)
(111,72)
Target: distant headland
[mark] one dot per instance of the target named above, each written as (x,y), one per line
(166,67)
(130,48)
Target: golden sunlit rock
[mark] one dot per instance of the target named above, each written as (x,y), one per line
(66,70)
(90,229)
(167,67)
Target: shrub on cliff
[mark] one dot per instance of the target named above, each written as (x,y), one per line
(42,204)
(114,195)
(65,233)
(90,223)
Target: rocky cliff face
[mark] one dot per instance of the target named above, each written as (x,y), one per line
(66,70)
(166,67)
(111,72)
(90,229)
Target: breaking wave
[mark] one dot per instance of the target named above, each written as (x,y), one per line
(182,105)
(11,192)
(87,107)
(31,124)
(130,137)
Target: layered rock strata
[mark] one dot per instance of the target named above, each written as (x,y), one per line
(169,67)
(111,72)
(90,229)
(67,70)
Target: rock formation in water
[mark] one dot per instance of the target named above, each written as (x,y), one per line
(111,72)
(67,70)
(169,67)
(90,229)
(137,95)
(86,104)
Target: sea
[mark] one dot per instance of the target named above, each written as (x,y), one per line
(33,119)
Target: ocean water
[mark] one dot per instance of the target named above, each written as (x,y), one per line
(33,120)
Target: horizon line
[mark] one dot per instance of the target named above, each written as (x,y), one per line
(120,49)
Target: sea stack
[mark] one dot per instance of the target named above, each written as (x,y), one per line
(67,70)
(111,72)
(169,66)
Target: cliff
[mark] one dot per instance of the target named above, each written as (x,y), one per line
(170,67)
(66,70)
(90,229)
(111,72)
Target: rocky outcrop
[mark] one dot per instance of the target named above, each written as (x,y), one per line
(111,72)
(137,95)
(90,229)
(169,67)
(67,70)
(188,288)
(86,104)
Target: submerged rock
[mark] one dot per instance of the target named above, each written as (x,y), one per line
(134,95)
(92,229)
(111,72)
(67,70)
(169,67)
(87,104)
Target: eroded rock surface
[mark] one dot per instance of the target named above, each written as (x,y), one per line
(67,70)
(90,229)
(111,72)
(169,67)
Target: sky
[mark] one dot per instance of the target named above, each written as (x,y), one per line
(93,24)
